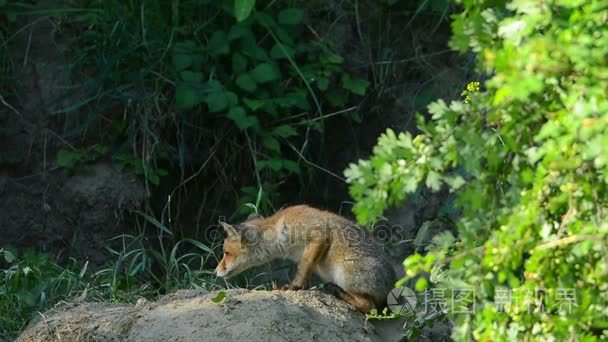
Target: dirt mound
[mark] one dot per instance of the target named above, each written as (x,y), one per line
(64,215)
(194,316)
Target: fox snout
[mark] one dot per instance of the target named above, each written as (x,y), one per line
(221,270)
(221,273)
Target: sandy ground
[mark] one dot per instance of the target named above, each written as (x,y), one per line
(193,316)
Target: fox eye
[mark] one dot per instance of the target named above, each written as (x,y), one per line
(227,253)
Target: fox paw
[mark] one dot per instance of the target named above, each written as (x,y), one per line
(291,287)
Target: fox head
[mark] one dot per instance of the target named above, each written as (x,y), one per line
(243,249)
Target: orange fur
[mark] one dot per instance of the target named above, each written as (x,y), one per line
(322,242)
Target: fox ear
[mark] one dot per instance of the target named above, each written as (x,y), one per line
(254,216)
(230,230)
(249,234)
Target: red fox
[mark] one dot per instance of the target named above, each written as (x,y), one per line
(342,254)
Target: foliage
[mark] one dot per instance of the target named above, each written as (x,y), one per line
(31,282)
(526,158)
(219,297)
(7,15)
(178,81)
(79,157)
(148,267)
(9,10)
(166,85)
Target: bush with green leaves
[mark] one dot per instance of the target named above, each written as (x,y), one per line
(526,158)
(31,282)
(171,83)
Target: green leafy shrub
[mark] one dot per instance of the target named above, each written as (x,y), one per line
(177,80)
(31,283)
(149,267)
(8,15)
(527,159)
(77,158)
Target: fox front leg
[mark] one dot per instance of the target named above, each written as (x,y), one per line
(312,253)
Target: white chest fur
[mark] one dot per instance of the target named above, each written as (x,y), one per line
(332,274)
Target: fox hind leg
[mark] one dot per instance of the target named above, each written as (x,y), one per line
(361,302)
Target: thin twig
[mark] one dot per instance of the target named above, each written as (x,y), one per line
(462,255)
(291,117)
(200,169)
(417,57)
(11,107)
(335,113)
(27,49)
(194,175)
(22,29)
(315,165)
(565,241)
(314,32)
(44,174)
(363,41)
(566,218)
(255,161)
(162,77)
(48,130)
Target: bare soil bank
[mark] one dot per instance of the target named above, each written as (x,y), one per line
(193,316)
